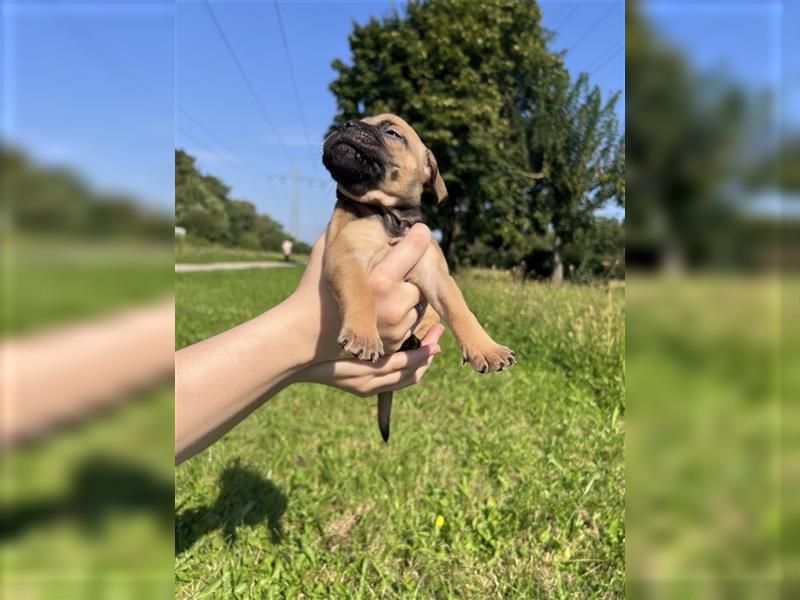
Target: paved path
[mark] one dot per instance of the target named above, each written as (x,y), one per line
(230,266)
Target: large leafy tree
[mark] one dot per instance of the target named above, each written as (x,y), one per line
(459,82)
(576,159)
(526,153)
(682,137)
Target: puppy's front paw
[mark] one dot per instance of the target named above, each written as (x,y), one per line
(492,357)
(362,345)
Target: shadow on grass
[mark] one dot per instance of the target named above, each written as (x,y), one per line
(245,498)
(100,488)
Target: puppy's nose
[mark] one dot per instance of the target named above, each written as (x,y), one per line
(347,124)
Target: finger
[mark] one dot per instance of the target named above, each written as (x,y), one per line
(409,359)
(403,328)
(314,265)
(405,295)
(403,379)
(433,335)
(405,254)
(387,364)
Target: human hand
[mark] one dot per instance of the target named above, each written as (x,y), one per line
(222,379)
(391,372)
(395,298)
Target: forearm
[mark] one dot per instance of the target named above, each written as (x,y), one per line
(221,380)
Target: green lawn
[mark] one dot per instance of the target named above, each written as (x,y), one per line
(712,430)
(87,512)
(192,252)
(48,282)
(501,486)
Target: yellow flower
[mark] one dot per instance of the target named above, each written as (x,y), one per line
(439,523)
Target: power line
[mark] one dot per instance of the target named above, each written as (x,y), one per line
(593,27)
(250,85)
(297,96)
(192,138)
(566,16)
(283,177)
(606,61)
(611,51)
(562,9)
(216,138)
(271,177)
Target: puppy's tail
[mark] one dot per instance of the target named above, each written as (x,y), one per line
(384,413)
(385,398)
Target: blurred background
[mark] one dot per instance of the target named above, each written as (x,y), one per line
(507,486)
(107,108)
(86,229)
(259,87)
(713,143)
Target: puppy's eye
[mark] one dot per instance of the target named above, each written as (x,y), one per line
(393,133)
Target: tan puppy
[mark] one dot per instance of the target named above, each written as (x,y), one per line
(384,174)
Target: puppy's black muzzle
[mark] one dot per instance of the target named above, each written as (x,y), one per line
(355,156)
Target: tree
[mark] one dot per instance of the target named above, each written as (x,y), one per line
(682,133)
(202,206)
(576,157)
(242,218)
(459,82)
(40,199)
(200,201)
(597,251)
(270,233)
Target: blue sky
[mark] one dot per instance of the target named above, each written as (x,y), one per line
(90,86)
(212,91)
(93,85)
(753,43)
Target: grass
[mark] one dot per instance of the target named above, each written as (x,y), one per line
(509,485)
(192,252)
(712,397)
(49,282)
(87,513)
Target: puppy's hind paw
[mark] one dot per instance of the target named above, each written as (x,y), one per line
(364,346)
(492,358)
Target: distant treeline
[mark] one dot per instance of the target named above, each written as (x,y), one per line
(204,208)
(55,201)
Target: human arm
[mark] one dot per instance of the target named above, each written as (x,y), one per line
(221,380)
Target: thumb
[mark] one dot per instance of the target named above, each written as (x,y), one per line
(405,254)
(433,335)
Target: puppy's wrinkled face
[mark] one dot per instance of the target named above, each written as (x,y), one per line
(381,160)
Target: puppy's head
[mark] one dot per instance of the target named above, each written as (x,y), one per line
(381,160)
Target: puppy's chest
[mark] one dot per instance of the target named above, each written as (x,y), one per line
(397,222)
(372,230)
(388,228)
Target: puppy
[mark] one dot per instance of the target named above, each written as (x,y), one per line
(384,174)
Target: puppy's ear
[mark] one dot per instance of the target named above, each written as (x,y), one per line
(435,185)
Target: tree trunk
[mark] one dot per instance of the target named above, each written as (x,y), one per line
(673,261)
(449,237)
(558,266)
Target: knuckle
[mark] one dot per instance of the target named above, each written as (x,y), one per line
(380,283)
(420,243)
(422,234)
(395,316)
